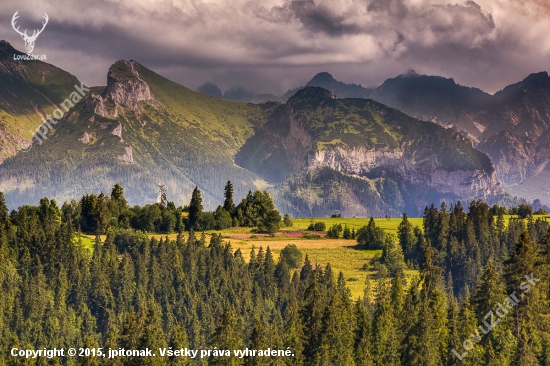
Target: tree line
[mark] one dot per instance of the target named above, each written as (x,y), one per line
(95,213)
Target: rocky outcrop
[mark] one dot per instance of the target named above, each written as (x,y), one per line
(118,131)
(125,86)
(100,106)
(515,158)
(356,161)
(128,156)
(85,139)
(387,162)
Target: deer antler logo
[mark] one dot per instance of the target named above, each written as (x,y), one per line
(29,40)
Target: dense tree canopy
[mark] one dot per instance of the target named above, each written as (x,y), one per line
(138,292)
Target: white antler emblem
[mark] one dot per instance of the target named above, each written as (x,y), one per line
(29,41)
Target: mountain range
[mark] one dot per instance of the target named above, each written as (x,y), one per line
(512,126)
(325,149)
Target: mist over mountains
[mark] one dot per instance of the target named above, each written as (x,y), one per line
(322,148)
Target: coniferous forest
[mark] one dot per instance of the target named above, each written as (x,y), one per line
(481,296)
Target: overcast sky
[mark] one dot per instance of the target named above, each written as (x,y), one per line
(273,45)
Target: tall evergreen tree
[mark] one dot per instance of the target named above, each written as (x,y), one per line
(195,208)
(228,203)
(491,308)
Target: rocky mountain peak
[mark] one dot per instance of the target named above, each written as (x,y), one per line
(321,78)
(535,82)
(125,85)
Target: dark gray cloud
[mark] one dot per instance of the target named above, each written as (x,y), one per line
(274,45)
(318,18)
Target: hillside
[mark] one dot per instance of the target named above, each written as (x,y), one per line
(142,129)
(29,91)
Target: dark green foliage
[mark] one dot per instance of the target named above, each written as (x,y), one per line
(4,212)
(334,231)
(257,209)
(195,208)
(287,221)
(392,255)
(408,241)
(318,226)
(523,210)
(370,236)
(346,233)
(292,256)
(222,219)
(228,203)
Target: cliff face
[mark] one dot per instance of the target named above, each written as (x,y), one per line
(385,162)
(522,109)
(355,161)
(516,158)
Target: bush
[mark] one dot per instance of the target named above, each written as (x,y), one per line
(318,226)
(292,256)
(347,233)
(287,222)
(311,236)
(522,210)
(335,231)
(370,236)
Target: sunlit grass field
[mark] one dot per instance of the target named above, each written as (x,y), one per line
(342,254)
(389,225)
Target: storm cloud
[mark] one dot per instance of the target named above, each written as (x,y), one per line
(271,46)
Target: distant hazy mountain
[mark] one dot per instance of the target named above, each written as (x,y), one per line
(512,126)
(341,90)
(237,93)
(210,89)
(434,98)
(522,108)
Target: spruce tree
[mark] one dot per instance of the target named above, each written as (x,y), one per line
(4,212)
(362,336)
(227,336)
(489,303)
(228,203)
(407,240)
(195,208)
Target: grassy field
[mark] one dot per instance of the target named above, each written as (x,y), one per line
(389,225)
(340,253)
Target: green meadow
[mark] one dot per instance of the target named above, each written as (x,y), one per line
(342,254)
